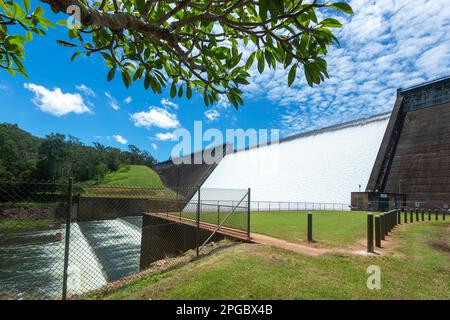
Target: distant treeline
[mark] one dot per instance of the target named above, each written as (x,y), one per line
(24,156)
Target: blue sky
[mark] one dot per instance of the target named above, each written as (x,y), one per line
(387,44)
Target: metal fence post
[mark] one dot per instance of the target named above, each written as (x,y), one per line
(399,216)
(405,212)
(411,215)
(382,228)
(370,232)
(248,213)
(218,214)
(443,214)
(423,214)
(310,217)
(378,231)
(67,239)
(197,230)
(436,214)
(417,214)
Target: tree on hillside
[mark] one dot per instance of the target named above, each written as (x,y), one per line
(189,45)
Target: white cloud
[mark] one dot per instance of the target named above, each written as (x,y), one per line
(56,102)
(165,136)
(120,139)
(112,101)
(432,61)
(128,100)
(167,103)
(212,115)
(154,146)
(157,117)
(385,45)
(86,90)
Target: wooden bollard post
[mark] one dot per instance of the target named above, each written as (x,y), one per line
(411,216)
(310,237)
(370,232)
(429,214)
(382,229)
(378,231)
(406,215)
(423,214)
(417,214)
(443,214)
(391,222)
(436,214)
(394,218)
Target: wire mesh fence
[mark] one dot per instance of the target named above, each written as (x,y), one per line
(64,240)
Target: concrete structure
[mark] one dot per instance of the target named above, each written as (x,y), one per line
(324,165)
(414,157)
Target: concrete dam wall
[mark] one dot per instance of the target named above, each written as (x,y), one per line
(321,166)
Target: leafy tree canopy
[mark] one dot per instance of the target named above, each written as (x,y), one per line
(189,45)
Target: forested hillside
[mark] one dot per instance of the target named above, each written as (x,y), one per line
(23,156)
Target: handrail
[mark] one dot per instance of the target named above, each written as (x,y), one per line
(220,225)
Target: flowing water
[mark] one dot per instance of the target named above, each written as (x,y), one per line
(32,263)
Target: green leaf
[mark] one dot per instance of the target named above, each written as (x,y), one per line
(331,23)
(261,62)
(65,44)
(5,7)
(27,4)
(188,91)
(173,90)
(263,8)
(342,6)
(76,54)
(250,60)
(140,4)
(112,73)
(292,75)
(126,78)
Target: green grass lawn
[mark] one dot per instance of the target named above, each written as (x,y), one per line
(12,226)
(418,269)
(130,175)
(330,228)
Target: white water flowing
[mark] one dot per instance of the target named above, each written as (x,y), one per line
(100,251)
(85,271)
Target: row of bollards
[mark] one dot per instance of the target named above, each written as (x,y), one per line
(386,222)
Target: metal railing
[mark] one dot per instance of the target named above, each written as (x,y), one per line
(271,206)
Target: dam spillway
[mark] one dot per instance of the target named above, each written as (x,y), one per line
(32,263)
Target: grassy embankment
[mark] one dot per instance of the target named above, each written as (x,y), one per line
(130,182)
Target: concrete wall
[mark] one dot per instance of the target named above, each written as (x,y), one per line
(421,163)
(414,158)
(96,208)
(162,238)
(322,166)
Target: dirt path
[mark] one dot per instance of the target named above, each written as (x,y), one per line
(295,247)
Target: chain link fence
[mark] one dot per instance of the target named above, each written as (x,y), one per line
(63,240)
